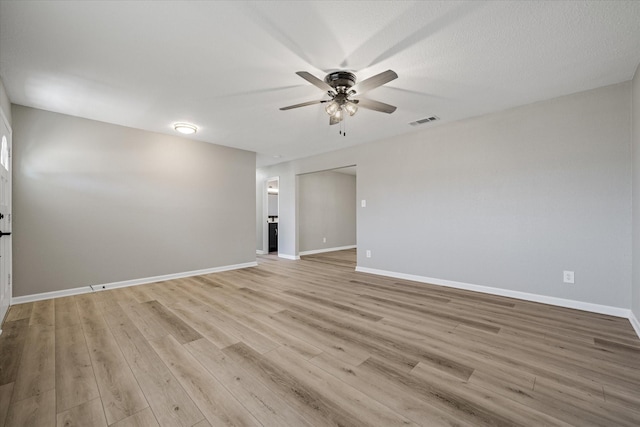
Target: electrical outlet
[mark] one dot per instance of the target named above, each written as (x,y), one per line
(324,240)
(363,203)
(568,277)
(368,253)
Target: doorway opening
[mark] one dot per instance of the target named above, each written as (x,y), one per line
(273,209)
(327,213)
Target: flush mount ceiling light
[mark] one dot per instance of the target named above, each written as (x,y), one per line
(185,128)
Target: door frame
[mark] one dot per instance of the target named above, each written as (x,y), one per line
(265,214)
(9,219)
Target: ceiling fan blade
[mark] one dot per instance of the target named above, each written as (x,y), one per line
(370,104)
(375,81)
(315,81)
(333,120)
(304,104)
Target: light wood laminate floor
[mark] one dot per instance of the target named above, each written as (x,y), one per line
(312,343)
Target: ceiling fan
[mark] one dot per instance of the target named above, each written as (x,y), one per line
(341,87)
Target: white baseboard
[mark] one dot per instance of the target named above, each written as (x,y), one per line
(285,256)
(52,294)
(319,251)
(125,283)
(561,302)
(260,252)
(634,322)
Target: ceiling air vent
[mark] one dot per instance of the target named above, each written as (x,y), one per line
(423,121)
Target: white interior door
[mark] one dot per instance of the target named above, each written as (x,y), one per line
(5,217)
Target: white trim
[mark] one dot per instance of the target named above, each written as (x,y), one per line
(265,212)
(319,251)
(579,305)
(260,252)
(634,322)
(126,283)
(285,256)
(5,119)
(52,294)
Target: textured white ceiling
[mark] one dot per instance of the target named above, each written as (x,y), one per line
(229,66)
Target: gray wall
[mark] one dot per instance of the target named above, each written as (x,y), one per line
(327,208)
(98,203)
(272,201)
(635,288)
(260,210)
(507,200)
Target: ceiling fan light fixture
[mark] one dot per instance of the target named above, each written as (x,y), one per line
(185,128)
(340,86)
(332,108)
(351,108)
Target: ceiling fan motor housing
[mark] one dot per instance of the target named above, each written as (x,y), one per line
(340,79)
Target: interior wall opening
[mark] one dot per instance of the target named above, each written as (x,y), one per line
(327,219)
(272,218)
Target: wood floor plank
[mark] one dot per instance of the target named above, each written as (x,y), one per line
(203,324)
(285,339)
(19,311)
(75,380)
(247,300)
(36,374)
(492,406)
(169,402)
(90,314)
(334,305)
(146,323)
(244,311)
(394,396)
(574,407)
(43,313)
(366,410)
(401,360)
(575,365)
(88,414)
(5,399)
(271,410)
(436,313)
(14,335)
(629,400)
(141,293)
(34,411)
(619,345)
(180,330)
(564,344)
(324,340)
(317,406)
(66,312)
(144,418)
(231,326)
(120,393)
(211,397)
(476,408)
(402,353)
